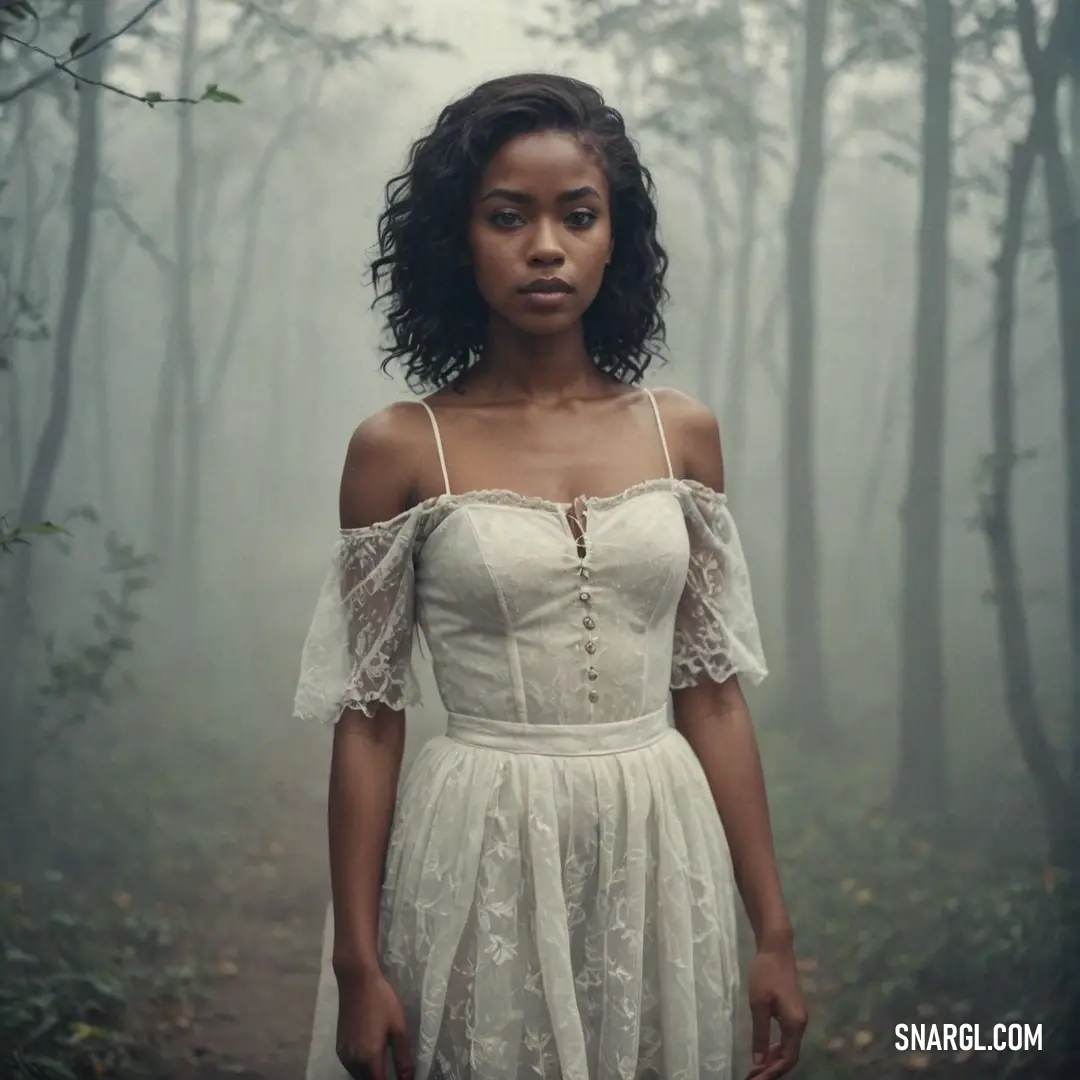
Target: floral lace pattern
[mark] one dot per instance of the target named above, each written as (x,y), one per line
(559,901)
(716,629)
(580,923)
(358,652)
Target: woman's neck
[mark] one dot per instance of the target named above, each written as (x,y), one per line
(549,369)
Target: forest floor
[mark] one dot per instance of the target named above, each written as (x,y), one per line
(261,928)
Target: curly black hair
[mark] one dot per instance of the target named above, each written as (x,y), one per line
(436,317)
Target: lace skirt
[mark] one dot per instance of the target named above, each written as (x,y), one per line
(559,903)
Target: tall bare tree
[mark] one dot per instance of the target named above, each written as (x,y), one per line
(1047,65)
(38,487)
(749,148)
(802,561)
(922,773)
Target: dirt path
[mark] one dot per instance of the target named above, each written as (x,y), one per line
(264,934)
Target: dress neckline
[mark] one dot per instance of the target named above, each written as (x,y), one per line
(508,497)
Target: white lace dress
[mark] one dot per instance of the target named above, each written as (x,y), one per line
(559,900)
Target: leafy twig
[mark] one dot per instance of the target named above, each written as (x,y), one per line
(73,53)
(79,48)
(19,533)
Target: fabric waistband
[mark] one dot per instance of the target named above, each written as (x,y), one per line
(560,740)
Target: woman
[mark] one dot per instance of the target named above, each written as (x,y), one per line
(553,893)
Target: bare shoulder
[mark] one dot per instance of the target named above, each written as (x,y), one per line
(693,435)
(378,479)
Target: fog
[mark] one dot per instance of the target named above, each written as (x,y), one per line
(163,815)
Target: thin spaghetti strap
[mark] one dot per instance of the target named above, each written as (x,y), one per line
(438,444)
(660,429)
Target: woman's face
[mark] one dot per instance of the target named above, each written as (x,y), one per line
(540,232)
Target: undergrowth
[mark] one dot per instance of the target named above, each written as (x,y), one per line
(86,987)
(901,922)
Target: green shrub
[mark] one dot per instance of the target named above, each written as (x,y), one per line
(77,979)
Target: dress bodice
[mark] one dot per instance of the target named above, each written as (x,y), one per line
(521,626)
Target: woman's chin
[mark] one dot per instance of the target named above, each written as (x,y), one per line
(546,324)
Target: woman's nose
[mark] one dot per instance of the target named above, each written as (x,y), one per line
(546,249)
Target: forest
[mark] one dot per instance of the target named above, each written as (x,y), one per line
(873,213)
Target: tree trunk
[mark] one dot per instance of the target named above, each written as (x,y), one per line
(805,655)
(1046,67)
(922,774)
(1065,228)
(1055,799)
(34,505)
(174,527)
(742,302)
(1074,130)
(99,353)
(183,329)
(710,351)
(748,156)
(18,286)
(168,538)
(163,461)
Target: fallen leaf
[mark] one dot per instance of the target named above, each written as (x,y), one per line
(863,1038)
(81,1032)
(917,1061)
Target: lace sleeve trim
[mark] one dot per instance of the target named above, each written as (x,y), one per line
(716,629)
(358,650)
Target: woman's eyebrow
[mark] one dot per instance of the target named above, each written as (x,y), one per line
(522,198)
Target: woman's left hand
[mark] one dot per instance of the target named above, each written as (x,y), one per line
(775,993)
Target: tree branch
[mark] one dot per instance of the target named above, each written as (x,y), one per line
(62,61)
(108,200)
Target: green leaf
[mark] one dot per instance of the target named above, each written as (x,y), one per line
(214,93)
(78,43)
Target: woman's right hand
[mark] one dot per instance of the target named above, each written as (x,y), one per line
(370,1018)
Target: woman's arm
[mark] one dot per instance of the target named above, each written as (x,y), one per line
(715,720)
(364,770)
(376,485)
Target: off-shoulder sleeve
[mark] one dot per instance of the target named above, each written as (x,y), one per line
(716,627)
(358,652)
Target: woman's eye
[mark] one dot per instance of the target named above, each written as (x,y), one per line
(581,219)
(505,219)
